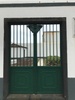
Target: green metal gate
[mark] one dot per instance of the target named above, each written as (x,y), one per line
(35,59)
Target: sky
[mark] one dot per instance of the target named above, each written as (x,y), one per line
(34,1)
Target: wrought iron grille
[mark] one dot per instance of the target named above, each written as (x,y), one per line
(48,45)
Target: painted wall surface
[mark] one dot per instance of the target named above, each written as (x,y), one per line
(34,1)
(33,12)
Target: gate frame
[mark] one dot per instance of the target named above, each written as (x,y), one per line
(50,20)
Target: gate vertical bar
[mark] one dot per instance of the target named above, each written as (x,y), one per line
(30,49)
(35,61)
(43,45)
(56,43)
(27,43)
(53,41)
(13,42)
(20,45)
(17,43)
(39,47)
(23,45)
(50,40)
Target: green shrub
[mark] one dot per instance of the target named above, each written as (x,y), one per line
(53,61)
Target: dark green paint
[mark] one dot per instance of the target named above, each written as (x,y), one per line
(21,80)
(71,88)
(41,80)
(46,79)
(34,27)
(35,63)
(50,80)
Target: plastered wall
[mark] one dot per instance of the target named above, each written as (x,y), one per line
(33,12)
(34,1)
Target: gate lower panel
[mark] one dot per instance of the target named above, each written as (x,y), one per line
(21,80)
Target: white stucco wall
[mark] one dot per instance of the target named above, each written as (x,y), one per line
(33,12)
(34,1)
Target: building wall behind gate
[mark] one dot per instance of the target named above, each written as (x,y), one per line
(43,12)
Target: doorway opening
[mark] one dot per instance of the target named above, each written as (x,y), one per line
(36,58)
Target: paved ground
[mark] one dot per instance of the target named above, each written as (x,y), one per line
(35,97)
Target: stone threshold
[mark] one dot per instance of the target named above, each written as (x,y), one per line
(35,97)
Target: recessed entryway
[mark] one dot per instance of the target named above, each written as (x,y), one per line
(36,58)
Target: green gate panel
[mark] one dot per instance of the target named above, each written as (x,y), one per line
(50,81)
(21,80)
(35,64)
